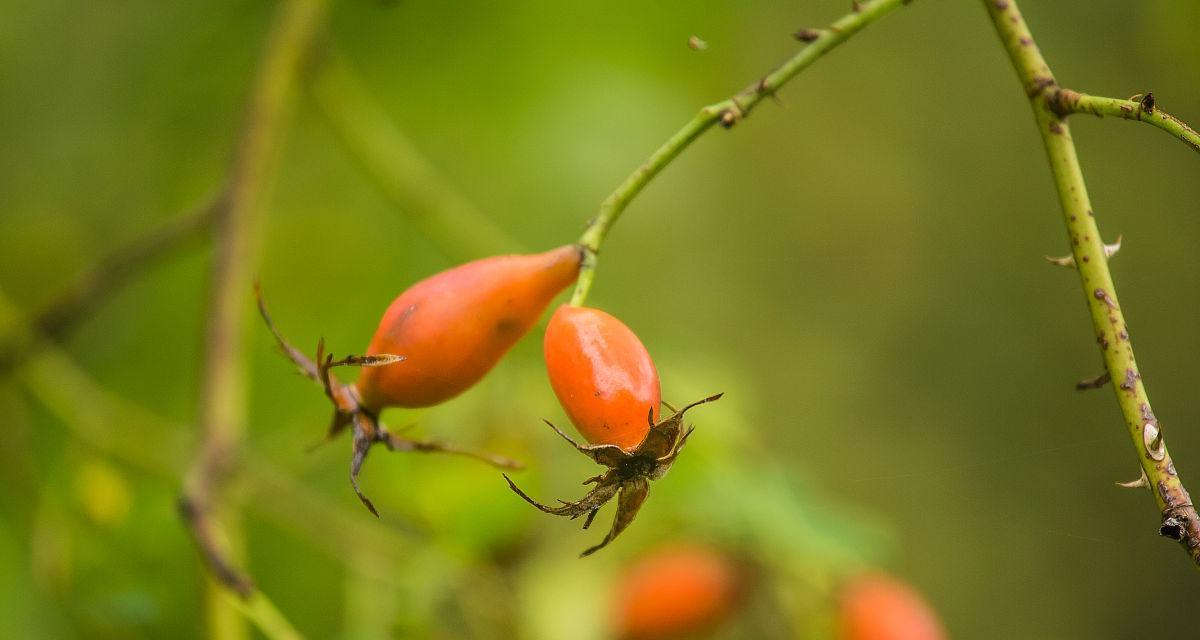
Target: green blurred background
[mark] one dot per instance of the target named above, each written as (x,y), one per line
(860,269)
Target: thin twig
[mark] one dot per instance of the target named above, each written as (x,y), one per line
(727,113)
(114,426)
(397,167)
(222,395)
(1065,102)
(76,300)
(1178,517)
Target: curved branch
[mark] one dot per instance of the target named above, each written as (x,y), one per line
(222,393)
(1140,108)
(728,113)
(1179,520)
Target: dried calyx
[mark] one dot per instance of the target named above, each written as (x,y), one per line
(629,472)
(348,412)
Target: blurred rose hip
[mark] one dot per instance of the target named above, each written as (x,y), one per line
(675,592)
(880,607)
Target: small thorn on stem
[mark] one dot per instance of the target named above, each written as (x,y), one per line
(696,44)
(1111,250)
(1141,482)
(1068,261)
(1147,102)
(807,35)
(1093,383)
(1063,261)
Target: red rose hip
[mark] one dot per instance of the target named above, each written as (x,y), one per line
(605,380)
(603,376)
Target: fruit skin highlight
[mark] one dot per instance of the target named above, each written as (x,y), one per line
(879,607)
(453,327)
(675,592)
(603,376)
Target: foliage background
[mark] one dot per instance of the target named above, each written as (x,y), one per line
(860,270)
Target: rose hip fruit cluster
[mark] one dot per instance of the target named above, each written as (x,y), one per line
(443,334)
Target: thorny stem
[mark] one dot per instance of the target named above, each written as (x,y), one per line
(1065,102)
(1179,519)
(727,113)
(222,395)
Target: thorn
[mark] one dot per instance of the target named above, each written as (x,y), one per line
(1093,383)
(1068,260)
(696,44)
(1147,102)
(1141,482)
(807,35)
(857,6)
(1111,250)
(1064,261)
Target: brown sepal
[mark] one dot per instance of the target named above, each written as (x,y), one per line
(365,426)
(629,472)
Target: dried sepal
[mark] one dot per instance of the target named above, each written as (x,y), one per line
(661,439)
(306,366)
(633,493)
(605,489)
(608,455)
(396,442)
(364,437)
(377,360)
(629,472)
(348,413)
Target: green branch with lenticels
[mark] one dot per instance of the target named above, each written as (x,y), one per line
(1089,255)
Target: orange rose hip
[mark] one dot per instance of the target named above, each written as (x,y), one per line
(605,380)
(675,592)
(603,376)
(880,607)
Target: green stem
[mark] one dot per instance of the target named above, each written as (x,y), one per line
(1179,519)
(1066,102)
(124,431)
(727,113)
(222,391)
(264,614)
(397,167)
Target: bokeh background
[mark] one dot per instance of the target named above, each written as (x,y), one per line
(859,268)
